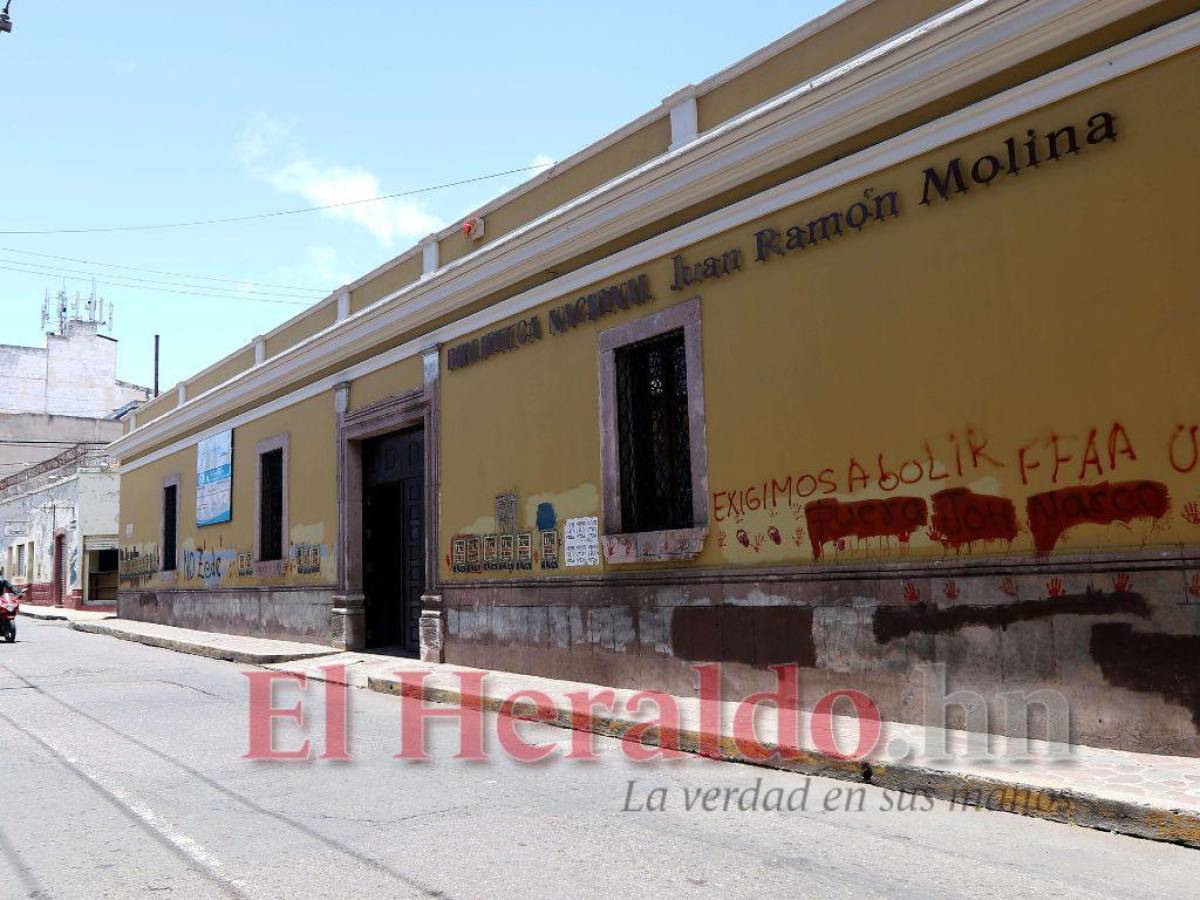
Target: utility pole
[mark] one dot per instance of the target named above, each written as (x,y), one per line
(156,365)
(5,21)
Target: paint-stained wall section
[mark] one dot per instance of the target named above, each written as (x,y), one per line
(892,380)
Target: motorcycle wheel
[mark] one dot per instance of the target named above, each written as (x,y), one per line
(12,633)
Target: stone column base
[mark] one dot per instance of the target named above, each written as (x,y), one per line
(348,622)
(432,619)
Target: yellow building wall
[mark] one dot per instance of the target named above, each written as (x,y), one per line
(221,555)
(967,344)
(219,374)
(404,272)
(631,151)
(405,375)
(317,319)
(157,406)
(813,55)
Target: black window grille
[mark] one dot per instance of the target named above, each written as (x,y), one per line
(652,424)
(170,517)
(270,506)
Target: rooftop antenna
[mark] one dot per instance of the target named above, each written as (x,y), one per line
(45,308)
(62,301)
(5,21)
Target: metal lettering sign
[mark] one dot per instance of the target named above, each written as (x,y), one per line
(214,479)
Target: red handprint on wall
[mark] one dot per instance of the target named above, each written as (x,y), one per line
(758,542)
(1191,513)
(798,536)
(775,536)
(722,538)
(1122,582)
(743,538)
(950,589)
(1008,586)
(1054,587)
(911,593)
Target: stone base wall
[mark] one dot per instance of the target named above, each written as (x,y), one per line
(37,594)
(300,614)
(74,600)
(1117,636)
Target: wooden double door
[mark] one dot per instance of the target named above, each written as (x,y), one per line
(394,538)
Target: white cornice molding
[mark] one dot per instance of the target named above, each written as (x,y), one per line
(795,124)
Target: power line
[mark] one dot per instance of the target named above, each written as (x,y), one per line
(55,270)
(160,290)
(18,442)
(92,262)
(283,212)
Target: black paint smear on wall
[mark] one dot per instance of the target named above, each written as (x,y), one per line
(1164,664)
(892,622)
(758,636)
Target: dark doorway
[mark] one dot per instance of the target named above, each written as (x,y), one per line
(394,538)
(58,588)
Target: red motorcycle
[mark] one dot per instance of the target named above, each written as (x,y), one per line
(10,603)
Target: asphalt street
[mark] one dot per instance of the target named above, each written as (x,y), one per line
(122,775)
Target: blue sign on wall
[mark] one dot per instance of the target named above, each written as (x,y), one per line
(214,479)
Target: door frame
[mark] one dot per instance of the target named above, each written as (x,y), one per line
(58,567)
(399,412)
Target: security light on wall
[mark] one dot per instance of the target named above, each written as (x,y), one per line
(473,227)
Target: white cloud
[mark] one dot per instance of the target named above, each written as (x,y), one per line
(270,151)
(327,264)
(542,160)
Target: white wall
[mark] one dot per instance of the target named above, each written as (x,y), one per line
(74,375)
(40,513)
(85,504)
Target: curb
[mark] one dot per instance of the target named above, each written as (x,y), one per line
(1176,826)
(44,617)
(58,615)
(227,654)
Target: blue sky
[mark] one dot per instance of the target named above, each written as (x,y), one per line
(138,112)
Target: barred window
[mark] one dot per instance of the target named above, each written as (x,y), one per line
(270,505)
(170,526)
(652,429)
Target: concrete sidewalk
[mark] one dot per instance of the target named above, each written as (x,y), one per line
(230,647)
(1143,795)
(62,614)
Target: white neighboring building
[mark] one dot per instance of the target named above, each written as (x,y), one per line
(75,374)
(64,393)
(59,521)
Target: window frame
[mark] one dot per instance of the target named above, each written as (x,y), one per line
(174,481)
(262,448)
(619,545)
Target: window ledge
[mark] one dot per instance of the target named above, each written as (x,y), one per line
(654,546)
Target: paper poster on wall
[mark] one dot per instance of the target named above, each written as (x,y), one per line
(581,541)
(214,479)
